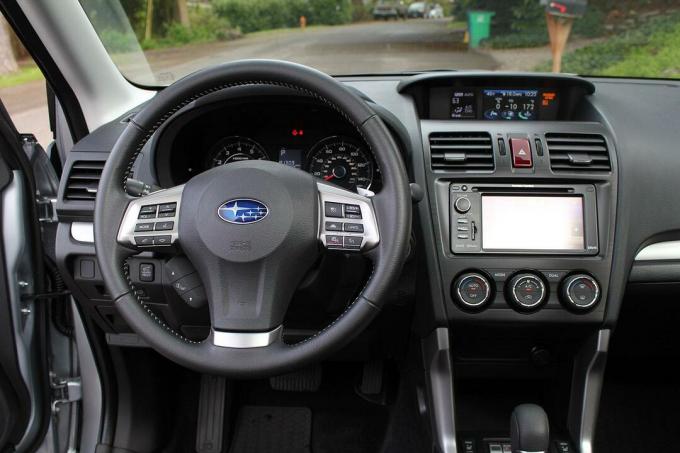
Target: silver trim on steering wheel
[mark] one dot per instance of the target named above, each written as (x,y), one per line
(155,225)
(244,340)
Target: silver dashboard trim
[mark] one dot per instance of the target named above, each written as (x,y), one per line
(244,340)
(661,251)
(83,232)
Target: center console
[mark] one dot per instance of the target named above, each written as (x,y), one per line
(521,179)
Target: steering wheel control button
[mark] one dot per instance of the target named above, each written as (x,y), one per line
(147,212)
(521,153)
(334,241)
(162,240)
(186,283)
(167,207)
(353,242)
(354,228)
(195,297)
(147,272)
(472,290)
(143,227)
(333,226)
(164,226)
(526,291)
(462,205)
(580,291)
(144,241)
(333,209)
(167,214)
(178,267)
(352,211)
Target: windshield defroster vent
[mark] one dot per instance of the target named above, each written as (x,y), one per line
(578,152)
(83,180)
(461,151)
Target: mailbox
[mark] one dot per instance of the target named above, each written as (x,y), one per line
(565,8)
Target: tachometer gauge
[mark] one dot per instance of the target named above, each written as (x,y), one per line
(341,161)
(233,149)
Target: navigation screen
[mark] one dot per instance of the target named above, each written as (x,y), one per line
(519,223)
(510,104)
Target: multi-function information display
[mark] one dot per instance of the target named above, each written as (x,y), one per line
(532,223)
(504,104)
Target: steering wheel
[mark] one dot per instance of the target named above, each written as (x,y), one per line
(251,257)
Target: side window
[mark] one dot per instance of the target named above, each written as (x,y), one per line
(22,87)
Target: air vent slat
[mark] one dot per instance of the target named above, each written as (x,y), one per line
(578,153)
(461,151)
(83,180)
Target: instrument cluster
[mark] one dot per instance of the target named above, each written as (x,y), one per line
(303,135)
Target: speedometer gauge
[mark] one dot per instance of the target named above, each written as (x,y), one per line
(341,161)
(233,149)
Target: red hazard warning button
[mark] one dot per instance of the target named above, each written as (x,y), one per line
(521,153)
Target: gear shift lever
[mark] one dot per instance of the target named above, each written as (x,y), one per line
(529,429)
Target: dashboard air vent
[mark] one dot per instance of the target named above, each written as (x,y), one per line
(578,152)
(461,151)
(83,180)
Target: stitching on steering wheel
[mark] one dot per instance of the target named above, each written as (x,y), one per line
(128,173)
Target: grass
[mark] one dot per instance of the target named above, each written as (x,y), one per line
(650,50)
(23,75)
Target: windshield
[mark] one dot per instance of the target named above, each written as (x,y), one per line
(155,42)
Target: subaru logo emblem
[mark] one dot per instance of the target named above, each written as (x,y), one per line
(242,210)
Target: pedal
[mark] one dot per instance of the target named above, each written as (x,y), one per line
(306,380)
(210,424)
(372,378)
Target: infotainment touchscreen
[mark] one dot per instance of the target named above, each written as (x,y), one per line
(538,223)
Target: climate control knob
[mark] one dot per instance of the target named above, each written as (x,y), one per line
(526,291)
(580,291)
(472,290)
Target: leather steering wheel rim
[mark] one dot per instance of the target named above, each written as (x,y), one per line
(392,206)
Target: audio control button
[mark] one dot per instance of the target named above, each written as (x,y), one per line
(462,205)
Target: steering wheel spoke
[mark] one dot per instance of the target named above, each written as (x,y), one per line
(348,220)
(152,221)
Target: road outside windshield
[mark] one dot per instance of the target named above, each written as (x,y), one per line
(155,42)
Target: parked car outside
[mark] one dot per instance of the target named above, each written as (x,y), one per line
(418,10)
(389,10)
(436,12)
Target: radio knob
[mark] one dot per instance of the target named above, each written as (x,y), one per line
(462,205)
(526,291)
(472,290)
(580,291)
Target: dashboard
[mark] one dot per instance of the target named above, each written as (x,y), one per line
(514,204)
(304,135)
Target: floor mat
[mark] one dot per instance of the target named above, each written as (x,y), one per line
(273,429)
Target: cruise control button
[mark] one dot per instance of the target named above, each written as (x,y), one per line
(184,284)
(333,209)
(167,207)
(162,240)
(353,242)
(353,209)
(144,227)
(333,241)
(352,216)
(354,228)
(195,297)
(333,226)
(144,241)
(164,226)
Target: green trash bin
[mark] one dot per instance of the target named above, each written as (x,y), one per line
(479,26)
